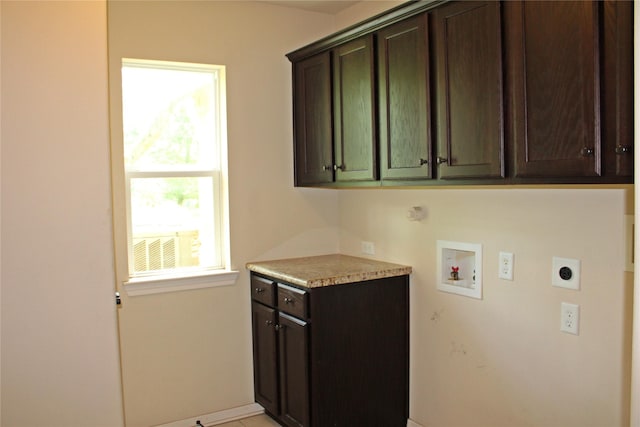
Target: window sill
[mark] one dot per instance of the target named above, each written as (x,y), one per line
(158,285)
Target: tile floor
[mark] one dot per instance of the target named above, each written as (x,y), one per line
(256,421)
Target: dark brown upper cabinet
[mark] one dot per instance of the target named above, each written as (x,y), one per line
(570,93)
(553,60)
(312,120)
(470,92)
(404,101)
(334,115)
(354,111)
(468,64)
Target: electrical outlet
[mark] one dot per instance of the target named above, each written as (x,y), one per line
(569,318)
(505,265)
(368,248)
(565,273)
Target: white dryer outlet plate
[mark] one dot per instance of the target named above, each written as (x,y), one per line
(565,273)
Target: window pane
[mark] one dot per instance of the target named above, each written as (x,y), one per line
(171,223)
(174,135)
(169,118)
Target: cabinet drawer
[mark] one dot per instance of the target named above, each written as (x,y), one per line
(263,290)
(292,300)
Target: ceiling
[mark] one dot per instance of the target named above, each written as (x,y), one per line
(323,6)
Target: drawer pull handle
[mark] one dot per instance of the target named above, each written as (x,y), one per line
(259,290)
(288,300)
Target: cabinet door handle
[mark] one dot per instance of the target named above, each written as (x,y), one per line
(623,149)
(268,322)
(259,290)
(587,152)
(288,300)
(441,160)
(333,167)
(279,327)
(424,162)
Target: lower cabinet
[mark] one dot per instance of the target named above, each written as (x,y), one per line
(265,351)
(332,356)
(294,370)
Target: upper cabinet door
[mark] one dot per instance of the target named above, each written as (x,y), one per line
(354,111)
(468,63)
(553,54)
(312,120)
(617,88)
(404,108)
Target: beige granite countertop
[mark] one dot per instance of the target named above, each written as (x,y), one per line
(327,270)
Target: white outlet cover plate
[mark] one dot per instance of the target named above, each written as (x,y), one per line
(574,265)
(569,318)
(368,248)
(505,265)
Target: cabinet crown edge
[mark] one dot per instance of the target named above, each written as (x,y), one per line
(398,13)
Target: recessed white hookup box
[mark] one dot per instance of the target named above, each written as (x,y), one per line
(459,268)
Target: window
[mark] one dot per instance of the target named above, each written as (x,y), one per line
(174,145)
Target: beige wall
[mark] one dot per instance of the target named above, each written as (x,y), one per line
(189,353)
(635,388)
(363,10)
(500,361)
(59,343)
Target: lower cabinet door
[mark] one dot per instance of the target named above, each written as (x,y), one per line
(265,366)
(294,371)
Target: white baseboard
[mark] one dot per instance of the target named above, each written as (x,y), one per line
(233,414)
(220,417)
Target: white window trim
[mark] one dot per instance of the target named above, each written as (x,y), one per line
(179,282)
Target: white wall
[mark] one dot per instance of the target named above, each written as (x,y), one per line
(59,343)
